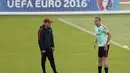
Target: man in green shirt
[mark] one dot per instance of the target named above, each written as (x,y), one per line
(102,39)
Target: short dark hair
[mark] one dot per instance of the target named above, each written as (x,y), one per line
(98,18)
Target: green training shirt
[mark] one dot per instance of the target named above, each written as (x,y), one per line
(101,35)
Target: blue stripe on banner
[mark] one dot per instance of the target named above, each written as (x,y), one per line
(57,5)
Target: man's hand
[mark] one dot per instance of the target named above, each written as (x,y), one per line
(106,47)
(94,46)
(43,51)
(53,49)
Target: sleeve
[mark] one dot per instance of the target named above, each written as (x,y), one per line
(104,29)
(40,38)
(52,44)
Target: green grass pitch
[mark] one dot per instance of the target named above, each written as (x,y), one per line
(19,51)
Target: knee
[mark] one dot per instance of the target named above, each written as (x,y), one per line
(52,60)
(43,59)
(106,65)
(100,62)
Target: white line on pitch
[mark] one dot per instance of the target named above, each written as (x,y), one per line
(76,26)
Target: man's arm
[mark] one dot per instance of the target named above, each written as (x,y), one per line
(95,43)
(105,30)
(108,38)
(52,44)
(40,38)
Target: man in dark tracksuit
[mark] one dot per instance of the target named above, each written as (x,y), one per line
(46,44)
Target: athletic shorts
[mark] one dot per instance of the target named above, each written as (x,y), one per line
(102,52)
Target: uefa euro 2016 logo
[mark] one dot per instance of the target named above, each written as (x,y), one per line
(105,5)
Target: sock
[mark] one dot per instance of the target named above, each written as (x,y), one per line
(99,69)
(106,70)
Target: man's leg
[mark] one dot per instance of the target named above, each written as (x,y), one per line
(43,60)
(100,65)
(51,59)
(105,59)
(106,64)
(100,59)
